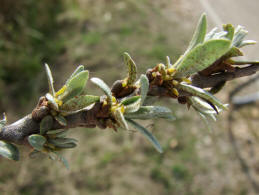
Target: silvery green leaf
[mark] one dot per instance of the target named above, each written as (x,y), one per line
(151,112)
(220,35)
(79,69)
(37,141)
(9,151)
(147,134)
(134,106)
(51,101)
(61,120)
(144,87)
(195,91)
(230,31)
(211,34)
(168,62)
(202,106)
(63,160)
(132,68)
(202,56)
(63,142)
(50,80)
(247,42)
(199,34)
(119,117)
(46,124)
(130,100)
(66,113)
(239,36)
(80,102)
(52,132)
(100,83)
(75,86)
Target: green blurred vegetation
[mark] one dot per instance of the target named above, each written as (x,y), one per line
(95,33)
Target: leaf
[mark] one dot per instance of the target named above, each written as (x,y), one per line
(100,83)
(168,62)
(147,134)
(151,112)
(63,161)
(52,132)
(202,106)
(202,94)
(61,120)
(211,34)
(202,57)
(50,80)
(63,143)
(130,100)
(132,69)
(144,87)
(79,69)
(199,34)
(9,151)
(51,101)
(233,52)
(134,106)
(230,31)
(37,141)
(46,124)
(239,36)
(79,102)
(247,42)
(118,115)
(75,86)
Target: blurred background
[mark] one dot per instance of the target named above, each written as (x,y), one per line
(66,33)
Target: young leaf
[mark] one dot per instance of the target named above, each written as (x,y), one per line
(61,120)
(9,151)
(202,56)
(80,102)
(202,94)
(147,134)
(52,132)
(46,124)
(50,80)
(79,69)
(211,34)
(247,42)
(199,34)
(144,87)
(53,104)
(75,86)
(63,160)
(132,104)
(63,143)
(118,115)
(132,69)
(168,62)
(230,31)
(100,83)
(37,141)
(239,36)
(151,112)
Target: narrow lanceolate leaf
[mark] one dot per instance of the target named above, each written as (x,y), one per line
(134,106)
(9,151)
(100,83)
(37,141)
(80,102)
(151,112)
(144,87)
(195,91)
(211,34)
(63,160)
(118,115)
(52,132)
(79,69)
(168,62)
(202,106)
(202,57)
(130,100)
(50,80)
(247,42)
(75,86)
(51,101)
(239,36)
(63,142)
(132,68)
(61,120)
(199,34)
(46,124)
(147,134)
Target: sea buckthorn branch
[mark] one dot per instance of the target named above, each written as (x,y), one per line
(200,72)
